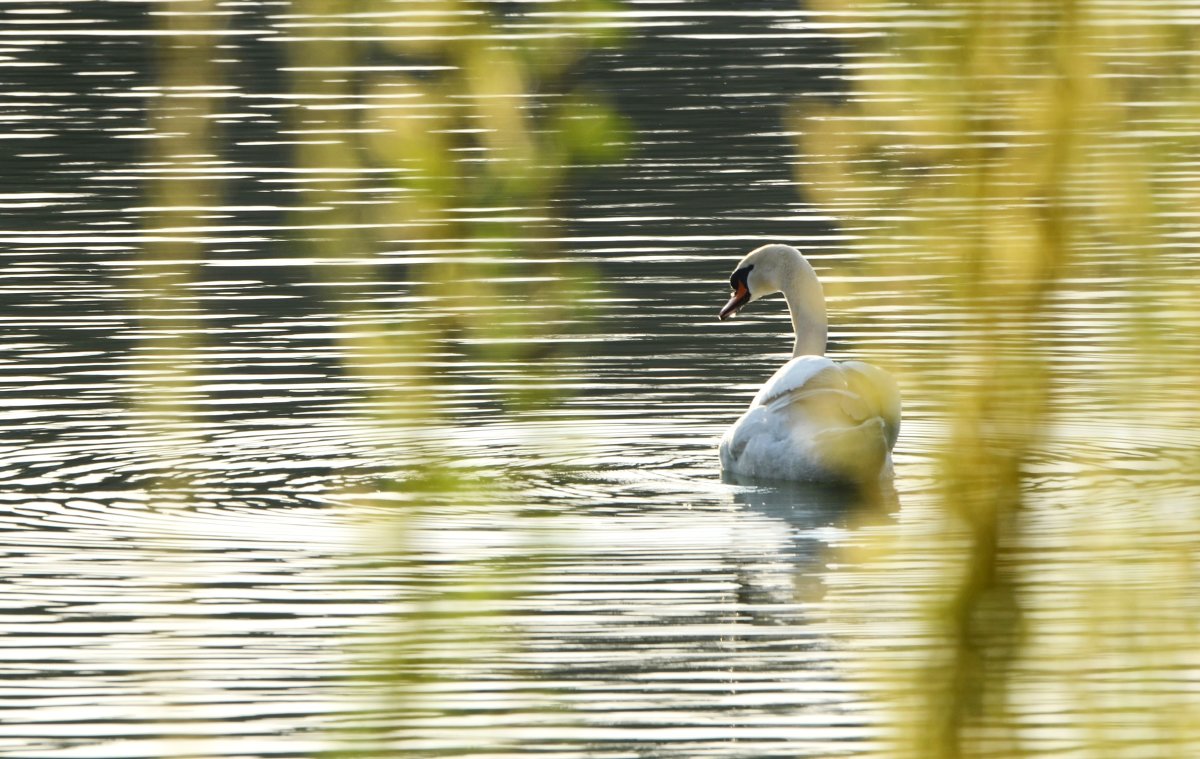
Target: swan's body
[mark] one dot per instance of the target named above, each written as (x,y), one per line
(816,419)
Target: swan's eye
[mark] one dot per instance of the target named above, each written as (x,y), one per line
(740,277)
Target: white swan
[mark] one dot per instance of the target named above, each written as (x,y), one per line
(815,419)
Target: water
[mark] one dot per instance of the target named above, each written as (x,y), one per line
(249,579)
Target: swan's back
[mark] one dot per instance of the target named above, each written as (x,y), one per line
(817,419)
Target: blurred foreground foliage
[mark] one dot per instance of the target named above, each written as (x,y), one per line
(988,154)
(178,198)
(470,111)
(470,114)
(431,138)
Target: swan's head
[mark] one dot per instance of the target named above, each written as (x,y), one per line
(762,272)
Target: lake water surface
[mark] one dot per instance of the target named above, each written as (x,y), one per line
(255,578)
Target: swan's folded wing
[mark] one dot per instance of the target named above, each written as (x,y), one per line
(764,443)
(799,374)
(821,408)
(878,391)
(838,431)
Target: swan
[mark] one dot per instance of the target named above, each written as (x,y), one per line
(816,419)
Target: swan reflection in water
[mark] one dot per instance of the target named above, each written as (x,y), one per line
(811,518)
(815,420)
(811,505)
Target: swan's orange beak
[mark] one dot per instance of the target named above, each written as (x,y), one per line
(741,296)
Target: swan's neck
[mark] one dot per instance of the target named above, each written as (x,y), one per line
(806,303)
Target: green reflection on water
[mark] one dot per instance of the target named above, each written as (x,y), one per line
(1007,151)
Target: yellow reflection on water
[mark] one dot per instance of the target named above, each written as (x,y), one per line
(1016,155)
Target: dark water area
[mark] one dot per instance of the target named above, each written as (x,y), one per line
(259,577)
